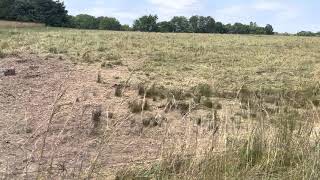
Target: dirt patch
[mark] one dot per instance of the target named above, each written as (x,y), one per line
(48,129)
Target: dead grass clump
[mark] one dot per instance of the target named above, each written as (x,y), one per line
(53,50)
(153,92)
(118,63)
(209,103)
(119,90)
(179,94)
(111,64)
(99,79)
(106,65)
(2,54)
(203,90)
(183,106)
(96,117)
(152,120)
(136,106)
(86,57)
(10,72)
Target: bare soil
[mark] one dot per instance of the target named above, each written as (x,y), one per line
(47,128)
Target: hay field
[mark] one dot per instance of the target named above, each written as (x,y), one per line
(103,104)
(15,24)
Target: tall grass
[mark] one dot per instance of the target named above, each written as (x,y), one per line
(283,145)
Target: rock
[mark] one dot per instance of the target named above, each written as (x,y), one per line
(10,72)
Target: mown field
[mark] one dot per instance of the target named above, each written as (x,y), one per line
(15,24)
(228,61)
(248,104)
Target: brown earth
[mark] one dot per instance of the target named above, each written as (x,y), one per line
(47,128)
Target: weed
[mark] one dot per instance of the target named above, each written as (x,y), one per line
(96,117)
(2,54)
(137,106)
(99,79)
(203,90)
(119,90)
(106,65)
(86,57)
(117,63)
(53,50)
(152,92)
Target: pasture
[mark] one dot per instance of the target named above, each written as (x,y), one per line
(104,104)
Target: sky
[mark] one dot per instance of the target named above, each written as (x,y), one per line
(285,15)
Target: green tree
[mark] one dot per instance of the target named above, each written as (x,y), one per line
(109,23)
(125,27)
(201,24)
(23,11)
(52,13)
(219,28)
(239,28)
(180,24)
(146,23)
(209,24)
(6,7)
(269,29)
(165,26)
(84,21)
(194,24)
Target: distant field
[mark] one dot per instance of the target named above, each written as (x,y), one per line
(98,104)
(227,61)
(15,24)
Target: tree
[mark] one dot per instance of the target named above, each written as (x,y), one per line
(209,24)
(239,28)
(219,28)
(269,29)
(200,24)
(306,33)
(23,11)
(180,24)
(194,24)
(6,7)
(146,23)
(109,23)
(52,13)
(165,26)
(125,27)
(84,21)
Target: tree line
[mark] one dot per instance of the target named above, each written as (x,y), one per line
(308,33)
(197,24)
(54,13)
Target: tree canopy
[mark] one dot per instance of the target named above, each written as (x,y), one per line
(197,24)
(146,23)
(54,13)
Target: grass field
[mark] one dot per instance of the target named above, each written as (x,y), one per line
(241,106)
(15,24)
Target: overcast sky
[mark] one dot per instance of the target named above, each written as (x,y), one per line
(285,15)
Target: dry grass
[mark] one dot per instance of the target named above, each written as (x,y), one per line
(15,24)
(230,106)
